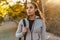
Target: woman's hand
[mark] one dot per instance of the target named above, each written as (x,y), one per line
(24,30)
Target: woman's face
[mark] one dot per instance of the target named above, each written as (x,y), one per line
(30,9)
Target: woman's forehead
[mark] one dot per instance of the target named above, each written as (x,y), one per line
(30,5)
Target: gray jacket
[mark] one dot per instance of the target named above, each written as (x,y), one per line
(38,31)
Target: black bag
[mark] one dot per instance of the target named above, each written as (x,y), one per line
(26,32)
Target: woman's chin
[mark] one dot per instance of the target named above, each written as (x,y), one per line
(29,15)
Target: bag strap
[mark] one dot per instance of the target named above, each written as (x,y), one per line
(24,22)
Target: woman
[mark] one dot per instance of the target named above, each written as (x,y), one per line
(36,28)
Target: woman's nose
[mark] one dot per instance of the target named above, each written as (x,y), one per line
(28,9)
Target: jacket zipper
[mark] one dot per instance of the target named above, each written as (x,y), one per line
(32,30)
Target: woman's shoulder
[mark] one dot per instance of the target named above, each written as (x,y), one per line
(40,21)
(22,20)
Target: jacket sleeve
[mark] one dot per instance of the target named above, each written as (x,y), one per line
(43,31)
(19,34)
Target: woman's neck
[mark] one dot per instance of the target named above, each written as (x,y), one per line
(31,17)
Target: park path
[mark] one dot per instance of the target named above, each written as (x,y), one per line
(8,29)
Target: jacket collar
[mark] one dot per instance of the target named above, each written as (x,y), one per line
(36,17)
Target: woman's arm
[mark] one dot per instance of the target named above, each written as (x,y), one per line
(43,31)
(19,33)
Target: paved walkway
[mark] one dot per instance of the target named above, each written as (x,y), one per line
(7,32)
(51,36)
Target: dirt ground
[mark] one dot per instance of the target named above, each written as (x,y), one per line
(8,29)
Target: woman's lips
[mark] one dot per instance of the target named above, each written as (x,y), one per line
(29,12)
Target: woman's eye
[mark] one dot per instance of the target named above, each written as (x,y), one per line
(31,7)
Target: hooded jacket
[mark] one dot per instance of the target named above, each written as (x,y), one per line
(38,31)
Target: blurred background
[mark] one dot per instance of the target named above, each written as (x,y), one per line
(11,11)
